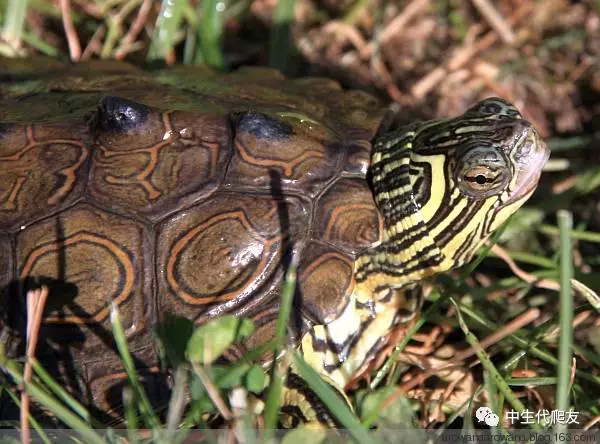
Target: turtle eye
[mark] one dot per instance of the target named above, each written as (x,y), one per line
(480,178)
(481,181)
(481,172)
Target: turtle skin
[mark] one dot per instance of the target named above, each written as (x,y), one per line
(175,192)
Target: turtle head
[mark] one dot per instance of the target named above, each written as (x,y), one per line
(482,166)
(444,186)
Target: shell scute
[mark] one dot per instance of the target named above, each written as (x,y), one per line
(359,114)
(218,256)
(357,158)
(324,281)
(6,263)
(106,379)
(88,258)
(347,216)
(158,161)
(42,169)
(315,87)
(257,74)
(302,152)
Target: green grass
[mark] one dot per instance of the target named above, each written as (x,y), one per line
(497,378)
(278,374)
(281,47)
(165,31)
(14,20)
(565,346)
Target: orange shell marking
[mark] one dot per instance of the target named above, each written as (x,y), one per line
(109,245)
(68,173)
(286,166)
(338,220)
(238,216)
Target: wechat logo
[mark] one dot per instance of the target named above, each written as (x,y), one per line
(486,416)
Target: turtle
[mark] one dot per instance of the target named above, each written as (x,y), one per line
(188,192)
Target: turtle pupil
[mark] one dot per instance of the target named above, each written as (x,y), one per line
(480,179)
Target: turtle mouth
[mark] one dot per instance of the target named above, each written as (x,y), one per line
(530,159)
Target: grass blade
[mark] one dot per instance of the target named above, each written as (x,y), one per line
(531,382)
(495,375)
(210,31)
(287,297)
(146,410)
(331,399)
(565,345)
(582,235)
(39,44)
(60,392)
(15,22)
(36,425)
(130,415)
(167,25)
(280,41)
(278,375)
(60,411)
(176,403)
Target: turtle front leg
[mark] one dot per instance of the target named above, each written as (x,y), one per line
(302,406)
(340,348)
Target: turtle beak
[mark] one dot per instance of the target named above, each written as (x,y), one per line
(530,155)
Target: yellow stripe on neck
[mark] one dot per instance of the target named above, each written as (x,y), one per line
(438,185)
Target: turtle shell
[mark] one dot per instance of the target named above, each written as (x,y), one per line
(181,191)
